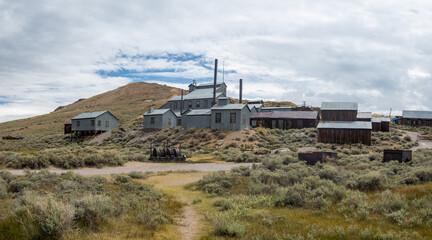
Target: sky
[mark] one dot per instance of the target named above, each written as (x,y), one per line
(377,53)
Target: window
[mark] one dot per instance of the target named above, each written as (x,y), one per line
(218,117)
(233,117)
(244,118)
(152,120)
(106,123)
(175,105)
(99,123)
(190,104)
(198,103)
(92,123)
(254,123)
(78,123)
(205,103)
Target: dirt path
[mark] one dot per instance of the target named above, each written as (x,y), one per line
(190,222)
(147,167)
(421,142)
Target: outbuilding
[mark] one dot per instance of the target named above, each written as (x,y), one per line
(415,118)
(92,123)
(159,119)
(343,132)
(230,116)
(284,119)
(339,111)
(380,124)
(198,118)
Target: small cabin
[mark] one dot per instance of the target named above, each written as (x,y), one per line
(159,119)
(92,123)
(339,111)
(343,132)
(381,124)
(415,118)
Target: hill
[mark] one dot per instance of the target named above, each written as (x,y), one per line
(128,103)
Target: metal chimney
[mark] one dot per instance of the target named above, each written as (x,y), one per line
(241,91)
(181,103)
(214,84)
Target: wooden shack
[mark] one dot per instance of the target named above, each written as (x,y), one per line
(398,155)
(284,119)
(381,124)
(67,128)
(312,158)
(339,111)
(343,132)
(415,118)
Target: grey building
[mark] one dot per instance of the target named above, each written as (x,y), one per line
(94,122)
(198,118)
(230,116)
(159,119)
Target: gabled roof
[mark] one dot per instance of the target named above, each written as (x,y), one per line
(198,94)
(364,115)
(344,125)
(229,107)
(210,84)
(286,114)
(199,112)
(417,114)
(255,105)
(88,115)
(158,112)
(339,106)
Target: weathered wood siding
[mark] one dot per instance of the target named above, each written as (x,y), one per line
(338,115)
(344,136)
(398,155)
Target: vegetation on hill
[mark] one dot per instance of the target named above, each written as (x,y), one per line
(353,197)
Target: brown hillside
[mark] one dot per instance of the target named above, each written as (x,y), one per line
(127,103)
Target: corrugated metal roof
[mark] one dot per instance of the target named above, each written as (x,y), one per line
(286,114)
(255,105)
(270,109)
(364,115)
(344,125)
(417,114)
(229,107)
(380,119)
(339,106)
(197,112)
(198,94)
(157,112)
(210,84)
(89,115)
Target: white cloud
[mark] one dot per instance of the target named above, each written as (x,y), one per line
(374,52)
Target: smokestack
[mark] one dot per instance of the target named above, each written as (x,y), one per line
(214,84)
(181,103)
(241,91)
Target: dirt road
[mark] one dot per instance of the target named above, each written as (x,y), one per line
(147,167)
(421,142)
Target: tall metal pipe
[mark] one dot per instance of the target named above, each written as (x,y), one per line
(241,91)
(214,83)
(181,103)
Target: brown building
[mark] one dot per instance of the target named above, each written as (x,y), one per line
(339,111)
(381,124)
(415,118)
(345,132)
(284,119)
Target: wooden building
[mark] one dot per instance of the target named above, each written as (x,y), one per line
(415,118)
(398,155)
(92,123)
(284,119)
(339,111)
(380,124)
(345,132)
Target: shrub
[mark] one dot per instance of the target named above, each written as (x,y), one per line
(388,202)
(152,217)
(370,181)
(122,179)
(138,175)
(93,210)
(227,226)
(218,182)
(407,138)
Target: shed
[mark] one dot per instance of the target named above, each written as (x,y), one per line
(94,122)
(380,124)
(343,132)
(312,158)
(284,119)
(159,119)
(399,155)
(198,118)
(339,111)
(67,128)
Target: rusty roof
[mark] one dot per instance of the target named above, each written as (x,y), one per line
(286,114)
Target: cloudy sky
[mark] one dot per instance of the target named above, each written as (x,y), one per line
(375,52)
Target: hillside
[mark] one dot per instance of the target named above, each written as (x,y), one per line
(128,103)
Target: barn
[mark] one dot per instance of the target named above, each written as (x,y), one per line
(339,111)
(345,132)
(92,123)
(415,118)
(284,119)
